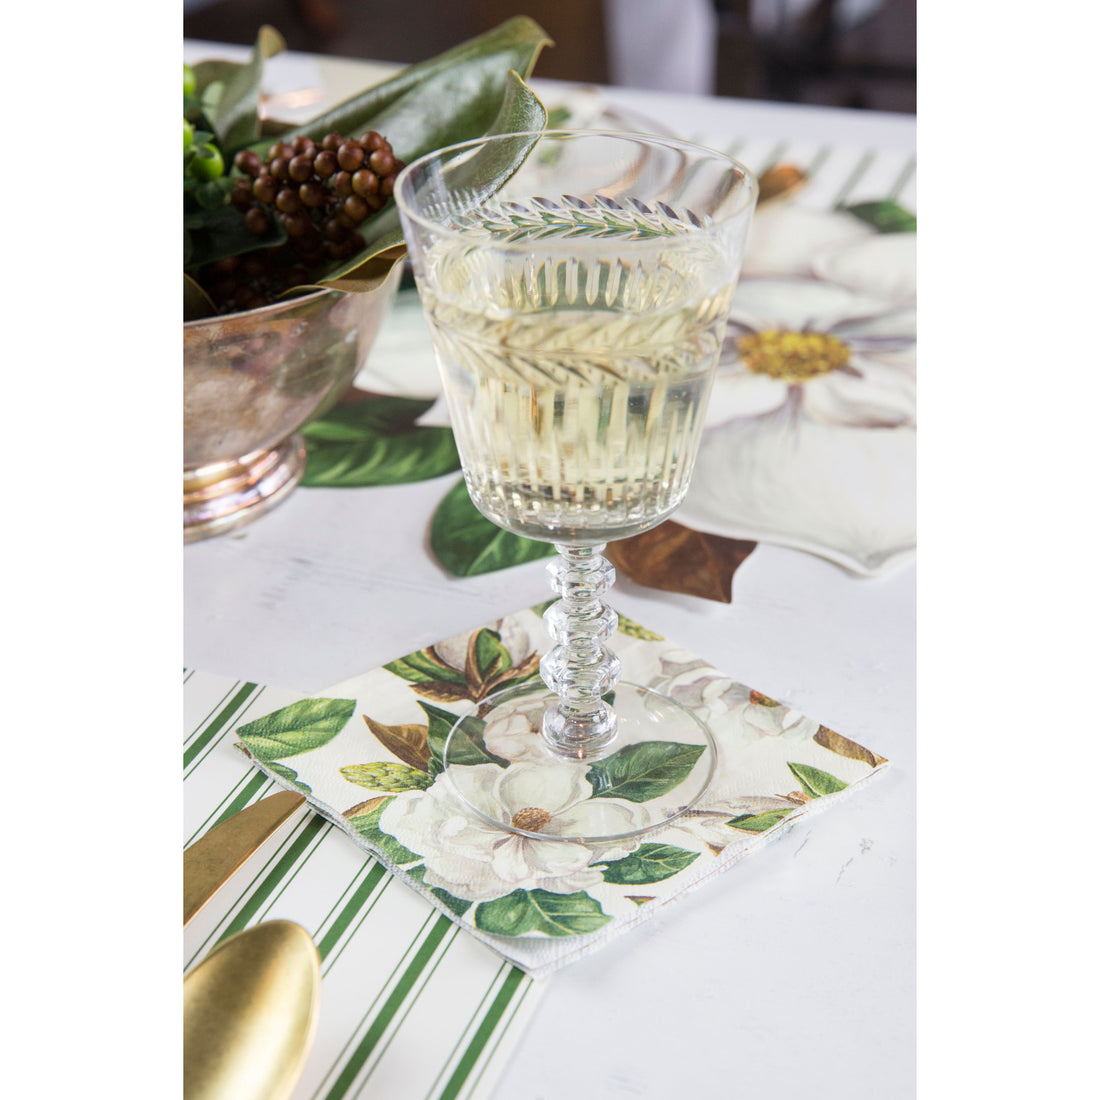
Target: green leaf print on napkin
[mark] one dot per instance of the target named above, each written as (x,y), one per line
(540,911)
(758,823)
(364,820)
(376,442)
(650,863)
(816,782)
(456,905)
(643,772)
(466,750)
(300,727)
(466,544)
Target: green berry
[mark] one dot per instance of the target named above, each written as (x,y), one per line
(188,134)
(207,163)
(188,80)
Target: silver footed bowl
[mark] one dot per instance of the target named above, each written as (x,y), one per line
(251,381)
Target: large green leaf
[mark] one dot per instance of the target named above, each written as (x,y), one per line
(300,727)
(816,782)
(356,421)
(542,912)
(644,771)
(520,110)
(211,235)
(650,863)
(236,119)
(467,544)
(416,454)
(453,96)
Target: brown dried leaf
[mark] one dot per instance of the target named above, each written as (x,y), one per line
(408,743)
(366,807)
(674,558)
(780,181)
(442,691)
(835,742)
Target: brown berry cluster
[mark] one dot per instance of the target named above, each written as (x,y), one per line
(320,193)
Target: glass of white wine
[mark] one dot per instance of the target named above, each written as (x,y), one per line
(577,286)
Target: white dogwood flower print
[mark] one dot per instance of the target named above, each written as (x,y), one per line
(474,861)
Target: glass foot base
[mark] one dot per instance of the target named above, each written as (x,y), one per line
(658,766)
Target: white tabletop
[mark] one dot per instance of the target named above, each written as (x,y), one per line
(794,970)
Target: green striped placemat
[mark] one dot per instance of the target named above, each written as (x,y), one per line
(411,1005)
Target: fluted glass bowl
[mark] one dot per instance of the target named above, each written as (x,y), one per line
(251,381)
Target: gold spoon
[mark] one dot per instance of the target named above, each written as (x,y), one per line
(249,1014)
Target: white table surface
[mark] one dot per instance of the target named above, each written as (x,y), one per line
(795,971)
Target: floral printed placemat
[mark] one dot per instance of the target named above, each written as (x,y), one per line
(367,757)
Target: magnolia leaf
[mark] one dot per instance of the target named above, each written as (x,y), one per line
(455,905)
(886,216)
(196,302)
(215,234)
(366,825)
(468,746)
(542,912)
(780,181)
(643,771)
(236,118)
(816,782)
(674,558)
(484,175)
(486,655)
(300,727)
(416,455)
(758,823)
(409,743)
(464,103)
(467,544)
(650,863)
(290,775)
(834,742)
(360,415)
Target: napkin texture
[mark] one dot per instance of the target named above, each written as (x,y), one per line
(366,755)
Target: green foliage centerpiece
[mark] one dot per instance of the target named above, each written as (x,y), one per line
(293,248)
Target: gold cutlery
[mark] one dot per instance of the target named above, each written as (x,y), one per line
(249,1014)
(212,859)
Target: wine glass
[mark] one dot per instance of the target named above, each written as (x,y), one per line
(577,286)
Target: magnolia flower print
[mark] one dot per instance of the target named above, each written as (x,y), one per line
(477,862)
(734,712)
(818,349)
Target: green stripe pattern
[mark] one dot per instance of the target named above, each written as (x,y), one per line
(397,975)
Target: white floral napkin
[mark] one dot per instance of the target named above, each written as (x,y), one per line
(367,758)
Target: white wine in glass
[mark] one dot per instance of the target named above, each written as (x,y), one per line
(577,331)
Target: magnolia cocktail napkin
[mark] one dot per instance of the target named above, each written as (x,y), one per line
(367,757)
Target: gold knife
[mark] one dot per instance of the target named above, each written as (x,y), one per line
(210,862)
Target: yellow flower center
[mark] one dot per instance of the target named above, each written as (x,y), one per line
(792,357)
(531,819)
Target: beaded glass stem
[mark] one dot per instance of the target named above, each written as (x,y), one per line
(577,287)
(580,669)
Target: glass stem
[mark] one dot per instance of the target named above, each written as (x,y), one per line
(580,669)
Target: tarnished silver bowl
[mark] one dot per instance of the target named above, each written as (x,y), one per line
(251,381)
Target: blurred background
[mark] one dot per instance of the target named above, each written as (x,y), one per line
(838,53)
